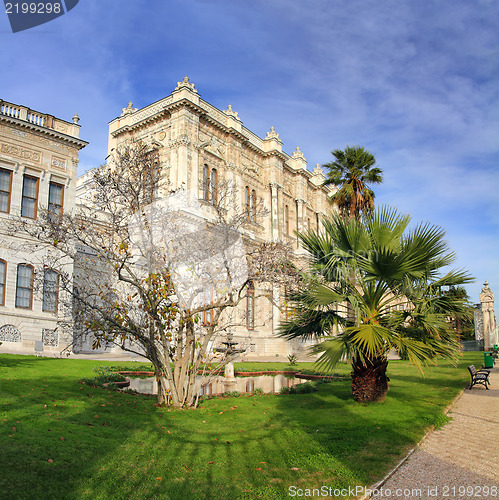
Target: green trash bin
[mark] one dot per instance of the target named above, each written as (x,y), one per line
(488,360)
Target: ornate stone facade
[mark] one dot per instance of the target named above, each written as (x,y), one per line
(193,137)
(38,159)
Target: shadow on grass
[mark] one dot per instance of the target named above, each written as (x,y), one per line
(104,444)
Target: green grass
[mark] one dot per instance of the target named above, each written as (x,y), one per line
(61,439)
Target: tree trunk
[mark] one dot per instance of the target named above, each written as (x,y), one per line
(163,395)
(369,381)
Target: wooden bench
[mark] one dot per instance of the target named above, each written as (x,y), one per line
(478,377)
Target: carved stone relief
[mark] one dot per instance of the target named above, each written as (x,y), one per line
(9,333)
(20,152)
(50,337)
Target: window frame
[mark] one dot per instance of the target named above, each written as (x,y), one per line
(56,292)
(25,288)
(252,205)
(206,182)
(37,179)
(247,201)
(207,319)
(4,283)
(9,172)
(61,206)
(213,190)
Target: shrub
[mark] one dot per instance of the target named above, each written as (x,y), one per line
(304,388)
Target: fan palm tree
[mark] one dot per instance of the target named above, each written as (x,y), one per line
(353,170)
(373,286)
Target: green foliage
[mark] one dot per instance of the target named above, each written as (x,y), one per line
(352,170)
(292,359)
(103,377)
(134,367)
(374,286)
(305,388)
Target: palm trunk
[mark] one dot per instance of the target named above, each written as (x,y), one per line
(369,380)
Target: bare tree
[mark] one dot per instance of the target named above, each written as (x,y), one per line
(161,277)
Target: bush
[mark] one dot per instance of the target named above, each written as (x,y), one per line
(304,388)
(103,377)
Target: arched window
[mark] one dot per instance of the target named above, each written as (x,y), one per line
(24,289)
(3,277)
(286,220)
(250,306)
(206,183)
(252,207)
(213,186)
(247,201)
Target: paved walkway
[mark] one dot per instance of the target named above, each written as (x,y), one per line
(460,461)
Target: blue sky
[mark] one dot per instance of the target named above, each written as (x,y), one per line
(415,82)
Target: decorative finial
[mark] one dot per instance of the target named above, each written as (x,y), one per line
(230,112)
(76,118)
(318,170)
(298,153)
(186,84)
(128,109)
(272,134)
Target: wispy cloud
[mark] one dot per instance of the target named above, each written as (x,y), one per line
(414,82)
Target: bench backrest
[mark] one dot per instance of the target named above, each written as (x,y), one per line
(472,370)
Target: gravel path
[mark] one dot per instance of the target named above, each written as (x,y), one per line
(460,461)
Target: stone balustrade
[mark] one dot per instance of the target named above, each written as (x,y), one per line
(40,119)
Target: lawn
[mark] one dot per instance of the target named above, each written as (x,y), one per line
(64,440)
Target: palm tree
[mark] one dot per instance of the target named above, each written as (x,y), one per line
(373,286)
(353,170)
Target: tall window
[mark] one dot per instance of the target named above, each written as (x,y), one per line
(24,289)
(56,196)
(252,207)
(208,299)
(250,306)
(247,201)
(286,220)
(30,197)
(3,276)
(210,184)
(206,183)
(250,203)
(213,186)
(50,290)
(5,188)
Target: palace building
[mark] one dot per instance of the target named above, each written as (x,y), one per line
(200,146)
(38,162)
